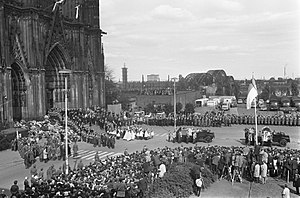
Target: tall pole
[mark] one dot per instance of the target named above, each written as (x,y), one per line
(174,104)
(255,116)
(66,72)
(66,124)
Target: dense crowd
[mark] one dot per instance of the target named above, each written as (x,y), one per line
(130,175)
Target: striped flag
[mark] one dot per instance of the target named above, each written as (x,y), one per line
(252,93)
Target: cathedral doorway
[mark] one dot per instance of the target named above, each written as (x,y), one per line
(56,61)
(18,91)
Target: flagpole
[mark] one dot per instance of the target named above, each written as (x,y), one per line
(255,116)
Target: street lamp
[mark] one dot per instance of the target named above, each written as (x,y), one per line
(174,79)
(66,72)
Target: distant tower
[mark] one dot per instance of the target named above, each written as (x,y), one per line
(124,76)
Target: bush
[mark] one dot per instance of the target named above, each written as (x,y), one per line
(176,182)
(179,179)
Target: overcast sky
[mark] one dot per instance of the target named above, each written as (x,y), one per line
(172,37)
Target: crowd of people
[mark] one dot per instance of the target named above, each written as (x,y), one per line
(130,174)
(45,141)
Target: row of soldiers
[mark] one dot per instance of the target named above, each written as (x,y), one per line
(218,120)
(100,139)
(209,119)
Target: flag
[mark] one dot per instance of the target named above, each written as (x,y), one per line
(252,93)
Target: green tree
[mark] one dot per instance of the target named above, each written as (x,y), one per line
(181,85)
(111,90)
(236,90)
(189,108)
(294,88)
(267,92)
(124,102)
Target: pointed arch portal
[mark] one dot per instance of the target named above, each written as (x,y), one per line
(56,60)
(18,91)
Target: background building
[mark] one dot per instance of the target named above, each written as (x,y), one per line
(36,42)
(153,78)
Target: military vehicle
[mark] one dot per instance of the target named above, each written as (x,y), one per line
(201,135)
(266,137)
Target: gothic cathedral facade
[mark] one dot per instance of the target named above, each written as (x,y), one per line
(38,39)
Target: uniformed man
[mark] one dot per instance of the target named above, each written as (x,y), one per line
(75,149)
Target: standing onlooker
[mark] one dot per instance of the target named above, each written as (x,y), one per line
(41,174)
(263,172)
(162,169)
(80,165)
(199,183)
(296,183)
(26,183)
(286,192)
(75,149)
(33,170)
(14,189)
(256,172)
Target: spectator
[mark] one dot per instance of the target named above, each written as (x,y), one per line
(199,184)
(26,183)
(162,169)
(263,170)
(296,183)
(14,189)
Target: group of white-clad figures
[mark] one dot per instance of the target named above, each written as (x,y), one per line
(133,133)
(264,136)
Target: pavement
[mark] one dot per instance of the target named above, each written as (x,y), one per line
(224,189)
